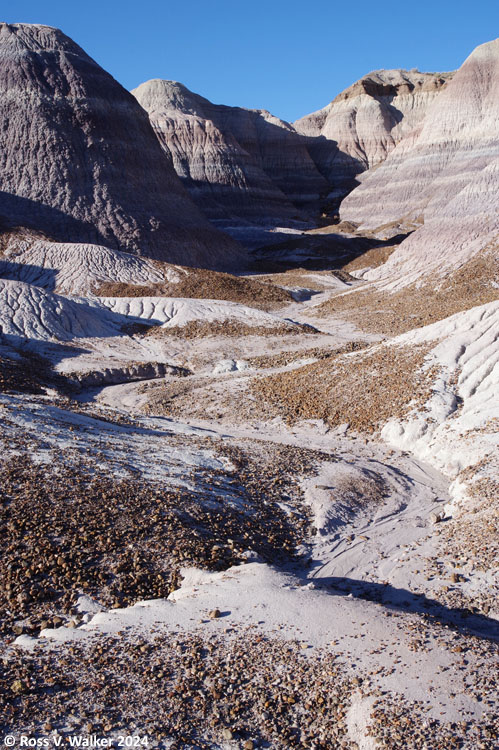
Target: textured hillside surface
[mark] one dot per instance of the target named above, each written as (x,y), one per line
(72,268)
(236,163)
(245,510)
(29,312)
(79,159)
(446,178)
(367,120)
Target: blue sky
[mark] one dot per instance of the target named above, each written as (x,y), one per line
(285,56)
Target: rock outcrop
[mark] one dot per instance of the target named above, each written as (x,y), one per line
(445,178)
(80,162)
(238,164)
(360,127)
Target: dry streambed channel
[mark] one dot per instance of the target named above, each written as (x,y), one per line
(183,566)
(209,587)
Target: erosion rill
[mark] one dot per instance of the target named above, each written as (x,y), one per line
(248,497)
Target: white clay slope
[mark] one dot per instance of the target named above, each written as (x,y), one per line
(71,268)
(171,312)
(456,428)
(29,312)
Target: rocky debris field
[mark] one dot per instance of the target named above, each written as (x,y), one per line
(19,376)
(241,690)
(70,528)
(476,282)
(226,328)
(386,381)
(202,284)
(236,513)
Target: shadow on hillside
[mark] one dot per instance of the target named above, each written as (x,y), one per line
(16,211)
(321,252)
(402,600)
(45,278)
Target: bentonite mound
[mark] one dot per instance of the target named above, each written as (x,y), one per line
(80,161)
(238,164)
(367,120)
(447,178)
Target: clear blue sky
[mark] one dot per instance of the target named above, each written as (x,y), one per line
(285,56)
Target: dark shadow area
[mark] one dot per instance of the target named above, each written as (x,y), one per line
(320,252)
(338,168)
(401,600)
(16,211)
(26,365)
(45,278)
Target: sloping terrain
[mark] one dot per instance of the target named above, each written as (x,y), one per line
(366,121)
(445,179)
(74,268)
(80,161)
(393,306)
(255,511)
(238,164)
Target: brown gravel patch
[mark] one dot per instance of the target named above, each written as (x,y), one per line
(17,376)
(208,398)
(469,542)
(68,530)
(303,278)
(28,374)
(229,400)
(415,307)
(201,329)
(402,725)
(201,284)
(286,358)
(13,235)
(372,259)
(188,689)
(200,690)
(363,390)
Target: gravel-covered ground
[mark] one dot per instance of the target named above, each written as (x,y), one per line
(244,690)
(70,528)
(423,303)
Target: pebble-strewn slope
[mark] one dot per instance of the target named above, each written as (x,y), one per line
(79,159)
(446,178)
(237,163)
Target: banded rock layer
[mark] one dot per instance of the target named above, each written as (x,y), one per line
(80,161)
(237,163)
(446,178)
(367,120)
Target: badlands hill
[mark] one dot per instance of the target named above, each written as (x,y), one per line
(245,511)
(367,120)
(241,164)
(79,160)
(236,163)
(444,178)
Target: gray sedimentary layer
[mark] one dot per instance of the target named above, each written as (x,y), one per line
(446,176)
(80,161)
(237,163)
(127,374)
